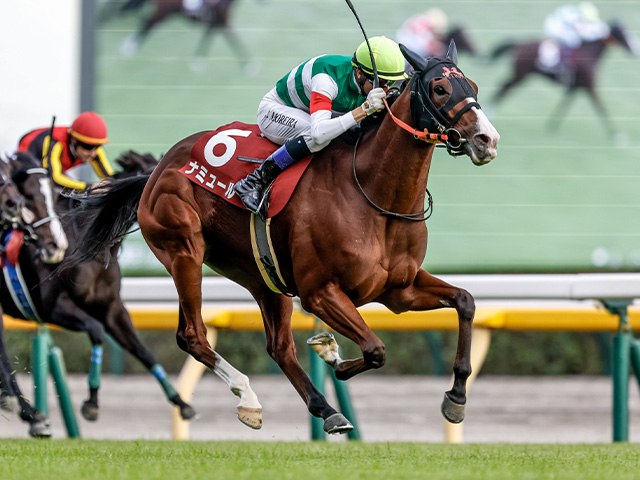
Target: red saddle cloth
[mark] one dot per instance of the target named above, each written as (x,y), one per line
(214,165)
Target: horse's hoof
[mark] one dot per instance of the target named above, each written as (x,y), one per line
(251,417)
(9,403)
(337,423)
(187,412)
(90,412)
(451,411)
(326,346)
(324,338)
(40,429)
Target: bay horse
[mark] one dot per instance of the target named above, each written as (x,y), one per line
(27,212)
(214,14)
(87,298)
(335,250)
(580,75)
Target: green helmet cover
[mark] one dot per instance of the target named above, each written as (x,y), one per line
(388,57)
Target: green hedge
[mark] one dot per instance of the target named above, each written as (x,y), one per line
(511,353)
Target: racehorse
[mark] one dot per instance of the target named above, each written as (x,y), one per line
(579,76)
(27,214)
(87,298)
(345,238)
(214,14)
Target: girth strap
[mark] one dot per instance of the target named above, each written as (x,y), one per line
(264,255)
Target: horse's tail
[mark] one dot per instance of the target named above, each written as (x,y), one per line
(501,50)
(107,213)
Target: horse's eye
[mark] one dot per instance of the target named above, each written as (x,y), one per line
(439,89)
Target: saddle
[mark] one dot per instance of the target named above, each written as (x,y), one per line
(221,158)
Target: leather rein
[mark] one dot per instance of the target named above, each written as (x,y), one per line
(425,136)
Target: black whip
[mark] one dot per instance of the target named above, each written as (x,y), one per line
(376,82)
(48,155)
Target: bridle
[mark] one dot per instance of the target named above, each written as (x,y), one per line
(29,229)
(433,119)
(430,119)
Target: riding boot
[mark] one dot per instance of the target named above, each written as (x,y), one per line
(251,188)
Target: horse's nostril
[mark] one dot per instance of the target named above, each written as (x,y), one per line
(483,139)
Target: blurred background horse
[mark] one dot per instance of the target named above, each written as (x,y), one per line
(575,75)
(215,15)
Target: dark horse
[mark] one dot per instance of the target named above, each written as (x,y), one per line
(87,298)
(214,14)
(27,213)
(579,76)
(335,251)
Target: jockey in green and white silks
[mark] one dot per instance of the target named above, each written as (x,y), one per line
(316,102)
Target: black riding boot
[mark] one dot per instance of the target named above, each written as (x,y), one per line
(251,188)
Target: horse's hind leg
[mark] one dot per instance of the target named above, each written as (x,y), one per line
(178,243)
(277,310)
(67,314)
(429,293)
(119,326)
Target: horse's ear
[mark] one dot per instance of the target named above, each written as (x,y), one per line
(473,85)
(416,61)
(452,53)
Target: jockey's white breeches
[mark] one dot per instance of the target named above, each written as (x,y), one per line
(280,122)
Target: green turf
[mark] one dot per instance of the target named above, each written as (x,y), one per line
(554,201)
(144,460)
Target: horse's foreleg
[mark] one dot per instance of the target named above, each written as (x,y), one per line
(277,310)
(119,326)
(429,293)
(332,306)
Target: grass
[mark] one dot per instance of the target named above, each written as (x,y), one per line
(148,460)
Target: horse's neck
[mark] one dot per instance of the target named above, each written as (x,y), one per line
(396,166)
(594,50)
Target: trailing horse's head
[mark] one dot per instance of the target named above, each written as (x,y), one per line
(628,40)
(11,202)
(444,100)
(34,184)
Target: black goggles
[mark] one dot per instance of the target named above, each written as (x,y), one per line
(381,81)
(87,146)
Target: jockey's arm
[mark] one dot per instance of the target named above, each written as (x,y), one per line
(101,164)
(324,128)
(56,169)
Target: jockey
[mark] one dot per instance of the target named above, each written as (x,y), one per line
(567,28)
(425,33)
(316,102)
(72,146)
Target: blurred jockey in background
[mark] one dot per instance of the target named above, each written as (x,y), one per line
(567,28)
(79,144)
(316,102)
(425,33)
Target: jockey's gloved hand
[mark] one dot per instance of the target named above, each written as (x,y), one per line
(374,103)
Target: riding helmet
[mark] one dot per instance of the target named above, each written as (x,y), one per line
(90,128)
(387,55)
